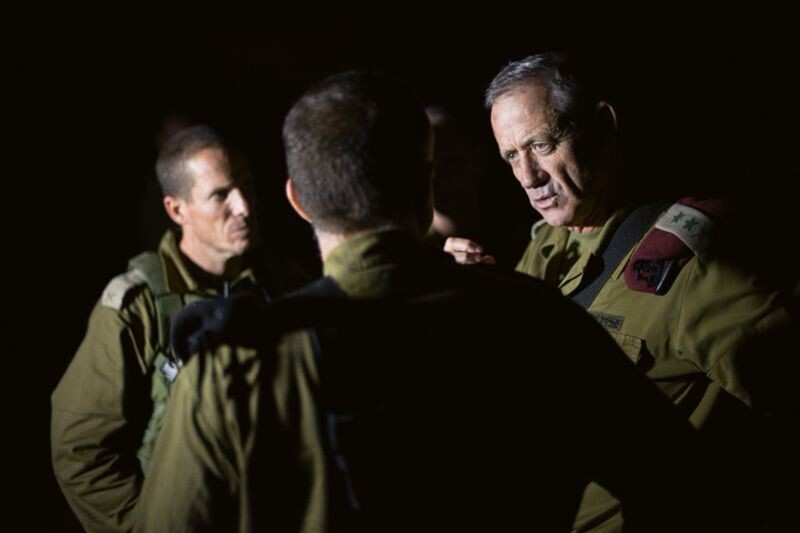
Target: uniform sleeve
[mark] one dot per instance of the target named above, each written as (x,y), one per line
(193,482)
(99,411)
(737,332)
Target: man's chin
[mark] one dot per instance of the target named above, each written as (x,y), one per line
(557,217)
(241,246)
(552,212)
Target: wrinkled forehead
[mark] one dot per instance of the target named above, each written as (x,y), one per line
(523,112)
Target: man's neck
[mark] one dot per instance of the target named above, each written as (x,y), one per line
(591,223)
(328,241)
(213,265)
(608,199)
(582,230)
(597,218)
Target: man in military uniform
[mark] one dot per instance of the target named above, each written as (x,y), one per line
(360,402)
(109,405)
(650,274)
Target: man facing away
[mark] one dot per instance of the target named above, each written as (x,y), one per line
(109,405)
(403,391)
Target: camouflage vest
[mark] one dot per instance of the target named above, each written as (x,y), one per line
(165,365)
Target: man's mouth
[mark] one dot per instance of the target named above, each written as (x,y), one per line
(240,229)
(545,200)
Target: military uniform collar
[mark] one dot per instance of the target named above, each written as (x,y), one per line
(556,245)
(374,260)
(178,272)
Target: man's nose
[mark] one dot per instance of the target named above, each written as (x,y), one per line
(529,173)
(239,204)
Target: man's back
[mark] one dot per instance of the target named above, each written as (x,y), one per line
(449,400)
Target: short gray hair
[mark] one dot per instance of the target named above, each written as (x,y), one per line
(555,70)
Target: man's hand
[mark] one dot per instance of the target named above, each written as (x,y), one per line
(466,251)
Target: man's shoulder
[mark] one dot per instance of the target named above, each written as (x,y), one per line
(125,287)
(691,222)
(122,288)
(686,231)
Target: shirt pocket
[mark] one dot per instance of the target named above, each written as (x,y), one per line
(632,346)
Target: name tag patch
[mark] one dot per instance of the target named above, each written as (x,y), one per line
(608,321)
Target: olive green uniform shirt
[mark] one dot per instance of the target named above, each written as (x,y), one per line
(102,404)
(506,412)
(206,450)
(696,342)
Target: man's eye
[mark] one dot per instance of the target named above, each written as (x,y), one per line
(511,157)
(542,148)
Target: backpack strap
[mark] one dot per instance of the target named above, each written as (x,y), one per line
(168,304)
(165,364)
(149,264)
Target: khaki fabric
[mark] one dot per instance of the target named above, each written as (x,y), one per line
(102,404)
(698,342)
(475,429)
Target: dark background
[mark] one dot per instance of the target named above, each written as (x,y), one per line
(710,102)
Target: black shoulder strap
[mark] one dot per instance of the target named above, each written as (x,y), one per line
(627,234)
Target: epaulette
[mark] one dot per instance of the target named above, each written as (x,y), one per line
(117,288)
(683,231)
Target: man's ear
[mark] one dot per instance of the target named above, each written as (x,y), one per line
(294,201)
(175,208)
(606,121)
